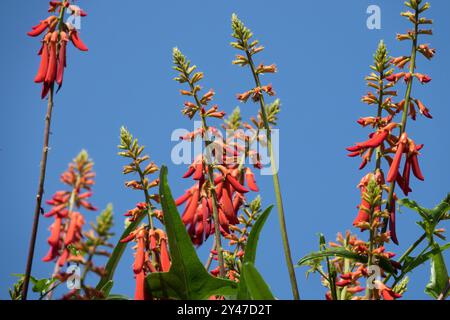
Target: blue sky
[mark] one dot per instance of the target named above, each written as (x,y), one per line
(322,50)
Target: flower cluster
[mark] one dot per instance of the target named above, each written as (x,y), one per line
(219,176)
(95,243)
(152,253)
(385,144)
(54,44)
(348,275)
(237,241)
(66,230)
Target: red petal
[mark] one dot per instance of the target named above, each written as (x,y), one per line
(183,198)
(139,293)
(392,228)
(415,167)
(392,174)
(38,29)
(140,255)
(236,185)
(165,259)
(40,76)
(77,41)
(191,208)
(250,178)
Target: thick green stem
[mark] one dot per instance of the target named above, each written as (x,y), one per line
(276,184)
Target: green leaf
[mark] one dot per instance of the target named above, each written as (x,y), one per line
(187,278)
(439,274)
(441,209)
(106,289)
(411,204)
(256,286)
(116,255)
(42,285)
(344,253)
(252,242)
(250,253)
(412,263)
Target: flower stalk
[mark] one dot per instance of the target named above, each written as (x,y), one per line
(180,63)
(243,35)
(38,206)
(51,70)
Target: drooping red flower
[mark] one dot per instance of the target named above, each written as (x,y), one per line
(386,292)
(54,46)
(401,146)
(250,178)
(423,78)
(423,110)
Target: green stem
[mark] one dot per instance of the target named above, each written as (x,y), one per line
(408,252)
(210,177)
(412,67)
(276,184)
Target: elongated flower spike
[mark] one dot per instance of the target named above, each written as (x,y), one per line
(53,52)
(67,228)
(212,204)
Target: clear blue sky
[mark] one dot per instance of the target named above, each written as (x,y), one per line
(322,50)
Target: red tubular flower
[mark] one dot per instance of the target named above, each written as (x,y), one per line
(355,289)
(72,228)
(237,203)
(393,171)
(423,110)
(62,58)
(198,173)
(139,293)
(373,142)
(186,196)
(236,185)
(54,238)
(250,178)
(343,283)
(423,78)
(42,26)
(392,220)
(227,205)
(406,174)
(77,41)
(42,71)
(140,253)
(363,215)
(395,77)
(191,208)
(386,292)
(53,252)
(165,258)
(415,167)
(63,258)
(50,77)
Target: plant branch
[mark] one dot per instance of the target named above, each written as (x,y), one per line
(38,208)
(276,184)
(412,67)
(215,202)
